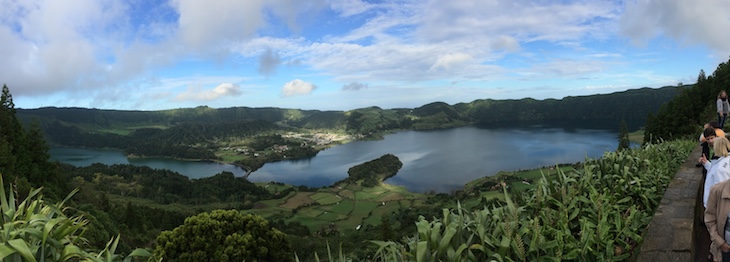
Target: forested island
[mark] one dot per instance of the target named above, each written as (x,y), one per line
(362,218)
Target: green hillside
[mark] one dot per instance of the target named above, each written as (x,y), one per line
(627,105)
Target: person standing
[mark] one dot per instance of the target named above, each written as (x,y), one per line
(723,107)
(717,201)
(718,170)
(716,218)
(703,143)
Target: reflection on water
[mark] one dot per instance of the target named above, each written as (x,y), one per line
(438,160)
(191,169)
(445,160)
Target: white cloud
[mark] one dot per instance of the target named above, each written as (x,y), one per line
(700,21)
(297,87)
(531,20)
(204,24)
(196,94)
(47,45)
(101,50)
(348,8)
(95,47)
(453,40)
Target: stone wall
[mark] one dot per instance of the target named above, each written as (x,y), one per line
(677,231)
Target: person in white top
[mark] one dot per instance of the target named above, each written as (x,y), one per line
(718,170)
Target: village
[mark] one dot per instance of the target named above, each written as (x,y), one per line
(319,140)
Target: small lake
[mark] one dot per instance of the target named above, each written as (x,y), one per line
(86,156)
(438,160)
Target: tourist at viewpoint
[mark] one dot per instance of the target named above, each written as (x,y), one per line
(718,170)
(723,107)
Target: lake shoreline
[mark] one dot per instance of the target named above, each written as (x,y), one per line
(442,160)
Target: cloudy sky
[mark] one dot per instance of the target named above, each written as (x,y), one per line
(347,54)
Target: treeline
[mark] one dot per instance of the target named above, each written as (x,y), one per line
(373,172)
(187,140)
(694,106)
(24,153)
(628,105)
(102,118)
(631,105)
(165,187)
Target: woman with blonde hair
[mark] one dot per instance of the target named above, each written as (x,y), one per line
(717,206)
(723,107)
(718,170)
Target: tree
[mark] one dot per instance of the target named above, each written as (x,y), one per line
(623,137)
(24,153)
(11,134)
(224,235)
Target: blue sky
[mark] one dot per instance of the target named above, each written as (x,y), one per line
(347,54)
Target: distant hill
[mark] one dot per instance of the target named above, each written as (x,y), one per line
(208,123)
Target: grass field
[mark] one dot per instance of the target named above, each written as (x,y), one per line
(297,200)
(273,188)
(279,201)
(343,207)
(126,130)
(363,208)
(637,137)
(326,198)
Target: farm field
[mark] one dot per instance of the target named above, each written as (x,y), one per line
(343,206)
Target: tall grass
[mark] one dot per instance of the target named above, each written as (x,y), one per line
(597,213)
(36,230)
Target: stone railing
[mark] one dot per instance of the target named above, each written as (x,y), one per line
(677,231)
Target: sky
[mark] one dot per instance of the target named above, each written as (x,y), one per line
(348,54)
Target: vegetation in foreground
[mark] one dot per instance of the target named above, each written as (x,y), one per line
(597,213)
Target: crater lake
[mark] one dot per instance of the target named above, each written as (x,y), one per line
(436,160)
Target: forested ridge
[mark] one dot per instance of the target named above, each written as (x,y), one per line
(201,132)
(630,104)
(627,105)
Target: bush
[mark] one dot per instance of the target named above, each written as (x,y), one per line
(224,235)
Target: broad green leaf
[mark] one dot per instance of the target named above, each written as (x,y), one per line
(22,248)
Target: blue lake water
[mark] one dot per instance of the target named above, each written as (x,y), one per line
(438,160)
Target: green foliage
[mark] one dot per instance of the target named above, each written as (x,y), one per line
(35,230)
(373,120)
(24,154)
(629,105)
(373,172)
(594,214)
(165,186)
(224,236)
